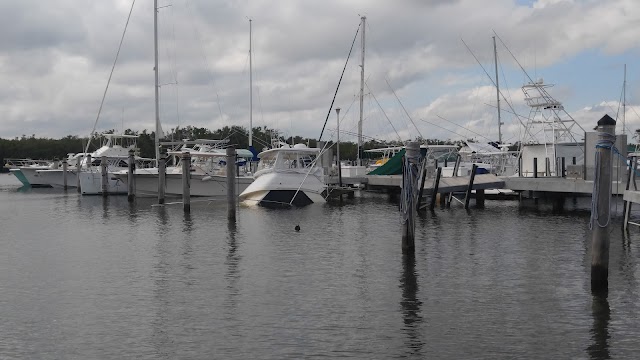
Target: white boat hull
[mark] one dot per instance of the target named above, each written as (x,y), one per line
(55,177)
(91,184)
(29,174)
(200,185)
(283,188)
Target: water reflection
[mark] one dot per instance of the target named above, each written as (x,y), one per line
(161,291)
(411,306)
(599,348)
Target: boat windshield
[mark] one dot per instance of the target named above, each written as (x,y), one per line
(288,160)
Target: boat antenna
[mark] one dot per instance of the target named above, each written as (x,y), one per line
(157,87)
(339,81)
(115,61)
(250,90)
(359,154)
(624,101)
(495,59)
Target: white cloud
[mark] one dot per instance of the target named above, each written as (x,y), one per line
(55,58)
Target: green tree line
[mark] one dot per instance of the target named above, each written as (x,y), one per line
(32,147)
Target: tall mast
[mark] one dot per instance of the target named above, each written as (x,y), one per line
(359,160)
(250,91)
(155,68)
(495,60)
(624,101)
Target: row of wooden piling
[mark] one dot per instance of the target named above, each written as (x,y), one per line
(186,180)
(601,200)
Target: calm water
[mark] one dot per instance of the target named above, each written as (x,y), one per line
(87,278)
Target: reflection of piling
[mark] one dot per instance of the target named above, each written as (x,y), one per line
(409,196)
(105,176)
(78,167)
(186,181)
(131,184)
(231,185)
(64,174)
(601,206)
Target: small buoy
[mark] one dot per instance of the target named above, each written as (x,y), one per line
(297,227)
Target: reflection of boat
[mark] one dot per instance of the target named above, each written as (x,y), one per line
(208,174)
(287,176)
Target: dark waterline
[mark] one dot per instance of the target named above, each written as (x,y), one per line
(87,277)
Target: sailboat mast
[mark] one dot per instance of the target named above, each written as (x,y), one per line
(250,90)
(157,86)
(624,101)
(495,60)
(359,160)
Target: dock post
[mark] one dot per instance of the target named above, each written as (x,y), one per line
(601,206)
(446,163)
(64,174)
(409,194)
(456,167)
(564,167)
(434,193)
(535,167)
(423,176)
(547,167)
(231,183)
(105,176)
(131,184)
(631,176)
(480,198)
(470,187)
(162,173)
(78,168)
(186,181)
(573,161)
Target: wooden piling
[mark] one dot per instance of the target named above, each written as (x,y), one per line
(64,174)
(456,168)
(104,172)
(78,168)
(563,167)
(423,176)
(408,196)
(186,181)
(547,167)
(231,183)
(600,216)
(535,167)
(470,187)
(631,177)
(436,185)
(480,198)
(131,184)
(162,173)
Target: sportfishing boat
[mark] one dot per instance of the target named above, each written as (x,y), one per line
(287,176)
(115,152)
(25,171)
(55,176)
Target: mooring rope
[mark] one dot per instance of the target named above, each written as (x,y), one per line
(605,141)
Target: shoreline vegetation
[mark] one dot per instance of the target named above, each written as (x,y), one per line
(37,148)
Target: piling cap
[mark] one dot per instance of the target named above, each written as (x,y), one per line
(606,120)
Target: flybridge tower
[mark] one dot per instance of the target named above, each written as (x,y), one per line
(550,126)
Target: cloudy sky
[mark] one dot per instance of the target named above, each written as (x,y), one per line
(56,56)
